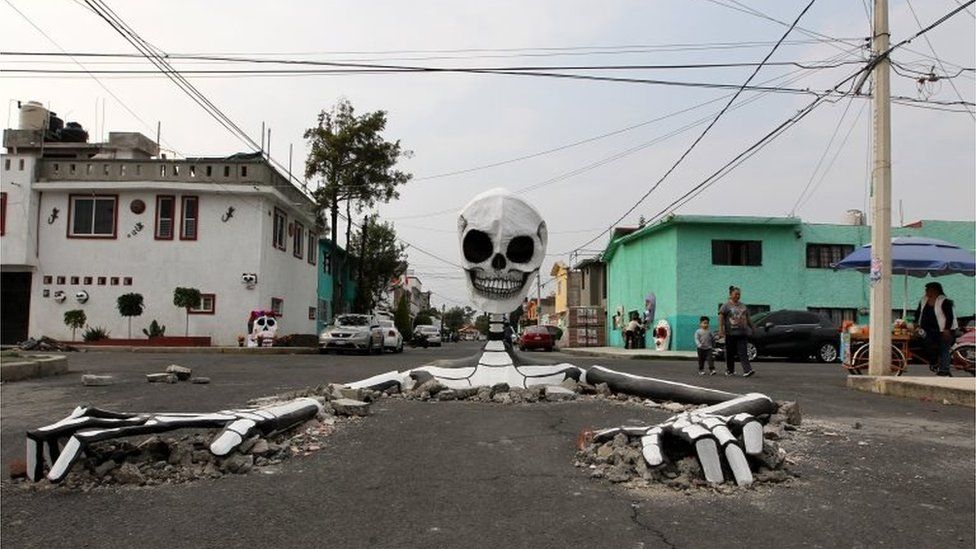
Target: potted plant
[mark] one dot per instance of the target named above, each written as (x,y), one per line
(75,319)
(130,305)
(187,298)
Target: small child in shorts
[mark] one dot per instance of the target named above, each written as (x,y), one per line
(705,343)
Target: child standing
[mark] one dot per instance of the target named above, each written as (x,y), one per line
(705,343)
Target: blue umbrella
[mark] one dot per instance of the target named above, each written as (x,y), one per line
(915,256)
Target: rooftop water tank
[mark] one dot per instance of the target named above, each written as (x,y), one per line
(33,116)
(854,217)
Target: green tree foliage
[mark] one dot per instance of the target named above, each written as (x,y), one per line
(75,319)
(187,298)
(482,324)
(456,318)
(402,317)
(382,260)
(130,305)
(155,330)
(354,163)
(423,317)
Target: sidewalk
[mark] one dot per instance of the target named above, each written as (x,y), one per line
(642,354)
(28,366)
(200,350)
(960,391)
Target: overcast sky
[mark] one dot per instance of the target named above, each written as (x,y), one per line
(455,122)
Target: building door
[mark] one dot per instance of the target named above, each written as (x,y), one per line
(15,299)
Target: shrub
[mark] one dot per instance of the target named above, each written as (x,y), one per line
(155,329)
(94,333)
(75,319)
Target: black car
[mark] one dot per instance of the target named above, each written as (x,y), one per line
(793,334)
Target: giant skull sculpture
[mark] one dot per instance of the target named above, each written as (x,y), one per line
(503,242)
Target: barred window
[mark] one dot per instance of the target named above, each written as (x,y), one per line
(822,256)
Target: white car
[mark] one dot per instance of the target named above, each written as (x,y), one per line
(392,340)
(431,332)
(352,333)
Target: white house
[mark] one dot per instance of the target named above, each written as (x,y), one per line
(104,219)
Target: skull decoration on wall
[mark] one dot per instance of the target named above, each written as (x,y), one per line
(60,296)
(503,243)
(249,280)
(263,327)
(81,296)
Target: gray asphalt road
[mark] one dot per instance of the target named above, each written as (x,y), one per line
(450,474)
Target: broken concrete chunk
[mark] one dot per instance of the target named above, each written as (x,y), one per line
(555,393)
(161,378)
(791,410)
(93,380)
(200,380)
(350,407)
(182,373)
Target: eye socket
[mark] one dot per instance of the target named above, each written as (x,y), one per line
(260,321)
(271,323)
(520,249)
(477,246)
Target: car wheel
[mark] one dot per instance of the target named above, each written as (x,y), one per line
(751,351)
(827,353)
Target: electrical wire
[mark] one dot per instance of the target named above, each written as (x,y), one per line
(823,156)
(936,55)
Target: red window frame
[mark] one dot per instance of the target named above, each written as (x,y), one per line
(213,305)
(283,233)
(196,232)
(298,233)
(3,211)
(313,247)
(172,219)
(115,216)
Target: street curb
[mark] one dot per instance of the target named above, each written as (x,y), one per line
(35,366)
(201,350)
(958,391)
(655,355)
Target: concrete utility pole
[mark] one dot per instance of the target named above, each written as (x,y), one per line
(880,274)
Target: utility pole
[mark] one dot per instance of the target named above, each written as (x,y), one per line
(538,301)
(880,273)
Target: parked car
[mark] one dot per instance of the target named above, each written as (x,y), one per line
(392,340)
(431,332)
(791,334)
(537,337)
(352,332)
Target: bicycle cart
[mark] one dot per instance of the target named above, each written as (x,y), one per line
(857,359)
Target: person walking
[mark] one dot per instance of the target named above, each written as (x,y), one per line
(937,319)
(705,344)
(735,326)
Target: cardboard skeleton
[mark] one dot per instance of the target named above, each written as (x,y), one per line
(503,242)
(262,327)
(87,425)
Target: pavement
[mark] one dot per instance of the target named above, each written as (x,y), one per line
(960,391)
(17,366)
(643,354)
(873,470)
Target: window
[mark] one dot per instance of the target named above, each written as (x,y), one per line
(822,256)
(92,216)
(313,244)
(189,218)
(737,252)
(127,281)
(323,310)
(165,210)
(208,305)
(3,212)
(327,263)
(226,171)
(102,280)
(298,240)
(87,280)
(74,281)
(243,171)
(278,236)
(837,315)
(20,164)
(209,171)
(114,281)
(311,313)
(6,164)
(61,280)
(277,306)
(72,168)
(48,279)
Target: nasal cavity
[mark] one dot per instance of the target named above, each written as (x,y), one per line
(498,262)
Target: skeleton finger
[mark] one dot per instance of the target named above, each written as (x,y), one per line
(752,432)
(734,456)
(651,447)
(705,447)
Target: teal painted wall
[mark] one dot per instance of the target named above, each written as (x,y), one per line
(636,269)
(339,267)
(674,260)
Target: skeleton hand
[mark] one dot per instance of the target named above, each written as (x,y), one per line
(87,425)
(710,432)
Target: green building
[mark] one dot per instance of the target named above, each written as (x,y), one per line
(336,287)
(689,262)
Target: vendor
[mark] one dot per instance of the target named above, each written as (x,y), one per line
(937,320)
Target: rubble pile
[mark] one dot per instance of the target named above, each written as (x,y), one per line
(175,373)
(44,343)
(620,460)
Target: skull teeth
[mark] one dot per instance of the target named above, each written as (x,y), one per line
(497,286)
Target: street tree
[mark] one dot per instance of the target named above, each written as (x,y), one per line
(75,319)
(379,260)
(354,163)
(402,316)
(187,298)
(482,324)
(456,318)
(130,305)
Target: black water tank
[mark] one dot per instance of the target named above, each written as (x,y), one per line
(74,133)
(54,123)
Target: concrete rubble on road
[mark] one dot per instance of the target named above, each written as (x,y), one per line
(182,373)
(161,378)
(92,380)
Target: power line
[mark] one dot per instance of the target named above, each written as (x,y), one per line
(816,168)
(934,54)
(702,135)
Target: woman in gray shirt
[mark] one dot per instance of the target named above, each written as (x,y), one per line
(736,327)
